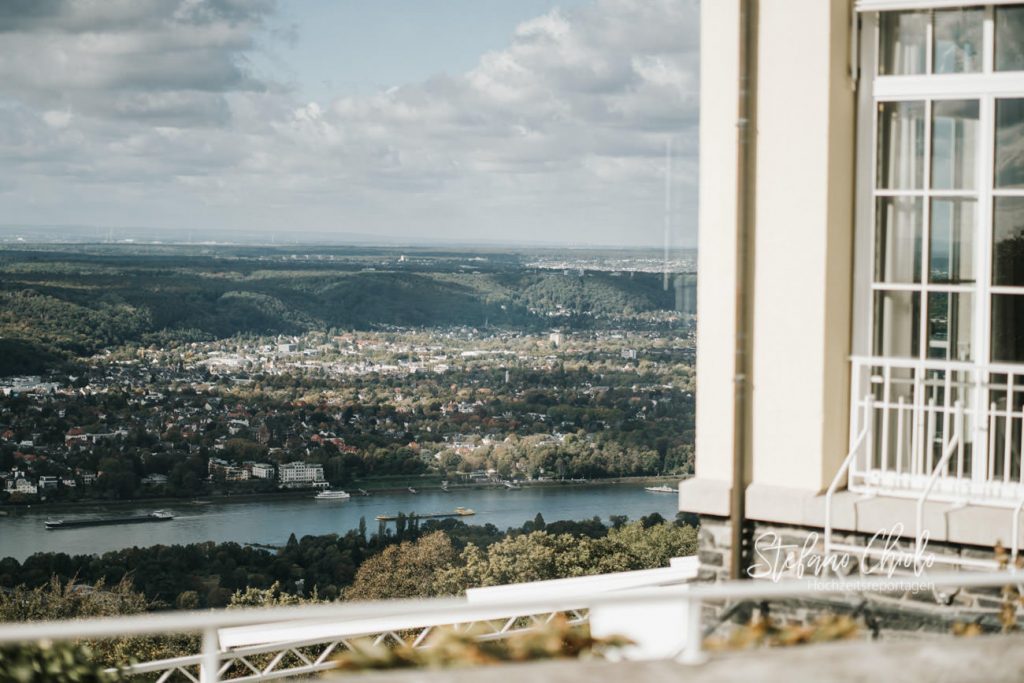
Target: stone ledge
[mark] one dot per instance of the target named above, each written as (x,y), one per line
(968,525)
(705,496)
(945,523)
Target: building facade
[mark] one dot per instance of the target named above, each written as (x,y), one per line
(298,474)
(861,276)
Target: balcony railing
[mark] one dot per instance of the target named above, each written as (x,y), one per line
(950,429)
(337,623)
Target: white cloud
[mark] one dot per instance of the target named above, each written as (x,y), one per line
(153,117)
(57,119)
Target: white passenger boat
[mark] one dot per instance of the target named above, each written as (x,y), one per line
(332,495)
(664,488)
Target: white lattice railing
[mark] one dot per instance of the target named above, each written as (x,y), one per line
(295,655)
(951,428)
(645,605)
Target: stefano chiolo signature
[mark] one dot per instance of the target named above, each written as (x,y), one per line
(883,555)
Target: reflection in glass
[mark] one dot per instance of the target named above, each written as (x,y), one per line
(902,43)
(1010,143)
(1008,328)
(897,327)
(951,247)
(901,145)
(1010,38)
(898,239)
(949,325)
(957,40)
(1008,242)
(954,144)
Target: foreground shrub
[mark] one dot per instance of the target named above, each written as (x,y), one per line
(450,648)
(60,600)
(53,663)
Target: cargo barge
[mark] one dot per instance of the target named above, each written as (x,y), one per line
(158,516)
(459,512)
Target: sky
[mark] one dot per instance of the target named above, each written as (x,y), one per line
(496,121)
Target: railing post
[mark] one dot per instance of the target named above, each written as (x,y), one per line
(848,466)
(209,671)
(693,651)
(947,451)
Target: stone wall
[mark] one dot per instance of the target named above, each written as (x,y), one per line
(903,614)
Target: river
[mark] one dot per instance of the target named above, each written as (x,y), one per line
(271,521)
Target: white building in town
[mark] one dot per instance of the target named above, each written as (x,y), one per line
(861,270)
(262,470)
(296,474)
(21,485)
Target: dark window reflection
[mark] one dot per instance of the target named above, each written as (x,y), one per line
(1008,328)
(1010,143)
(1008,242)
(1010,38)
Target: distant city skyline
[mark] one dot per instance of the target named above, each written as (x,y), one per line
(462,121)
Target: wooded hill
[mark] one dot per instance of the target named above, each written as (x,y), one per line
(61,304)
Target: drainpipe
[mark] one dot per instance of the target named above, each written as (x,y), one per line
(746,130)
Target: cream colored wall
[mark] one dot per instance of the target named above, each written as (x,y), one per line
(804,238)
(803,242)
(716,260)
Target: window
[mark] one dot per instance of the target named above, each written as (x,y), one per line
(1009,35)
(958,40)
(939,302)
(904,36)
(947,221)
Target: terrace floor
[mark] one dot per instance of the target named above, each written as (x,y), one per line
(992,659)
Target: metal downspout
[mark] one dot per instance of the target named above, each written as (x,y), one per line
(746,132)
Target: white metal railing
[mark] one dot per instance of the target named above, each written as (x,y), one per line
(306,647)
(949,428)
(213,663)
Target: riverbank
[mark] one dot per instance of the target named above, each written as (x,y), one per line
(382,485)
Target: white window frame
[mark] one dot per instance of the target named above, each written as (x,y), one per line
(985,86)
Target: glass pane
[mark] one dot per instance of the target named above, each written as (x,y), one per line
(957,40)
(902,43)
(898,239)
(901,145)
(1009,38)
(1010,143)
(954,144)
(951,255)
(949,325)
(1008,328)
(897,326)
(1008,242)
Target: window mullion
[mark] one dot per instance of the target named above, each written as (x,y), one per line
(988,43)
(929,42)
(983,271)
(926,225)
(983,255)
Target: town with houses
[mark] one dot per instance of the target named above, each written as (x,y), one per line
(266,414)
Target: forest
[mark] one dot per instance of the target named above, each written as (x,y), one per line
(416,558)
(56,305)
